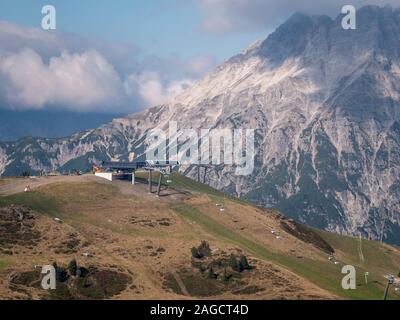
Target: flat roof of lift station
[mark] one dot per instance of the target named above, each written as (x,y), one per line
(138,164)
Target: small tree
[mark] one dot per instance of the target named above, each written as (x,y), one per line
(204,249)
(61,274)
(72,268)
(244,264)
(212,274)
(25,174)
(82,272)
(55,267)
(196,254)
(233,263)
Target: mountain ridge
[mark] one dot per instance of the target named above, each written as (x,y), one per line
(15,125)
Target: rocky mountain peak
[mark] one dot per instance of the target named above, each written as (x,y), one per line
(324,103)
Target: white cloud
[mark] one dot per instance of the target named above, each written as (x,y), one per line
(47,70)
(149,86)
(80,82)
(222,16)
(13,38)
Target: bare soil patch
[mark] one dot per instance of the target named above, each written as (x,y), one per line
(17,227)
(306,235)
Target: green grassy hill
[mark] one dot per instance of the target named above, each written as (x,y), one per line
(194,209)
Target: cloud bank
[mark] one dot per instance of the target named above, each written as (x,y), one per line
(148,87)
(47,70)
(79,82)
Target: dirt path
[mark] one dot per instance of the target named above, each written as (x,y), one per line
(17,185)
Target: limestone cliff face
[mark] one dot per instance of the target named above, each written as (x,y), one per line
(325,104)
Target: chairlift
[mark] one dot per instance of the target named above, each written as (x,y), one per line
(390,279)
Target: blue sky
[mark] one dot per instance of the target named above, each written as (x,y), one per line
(126,55)
(158,27)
